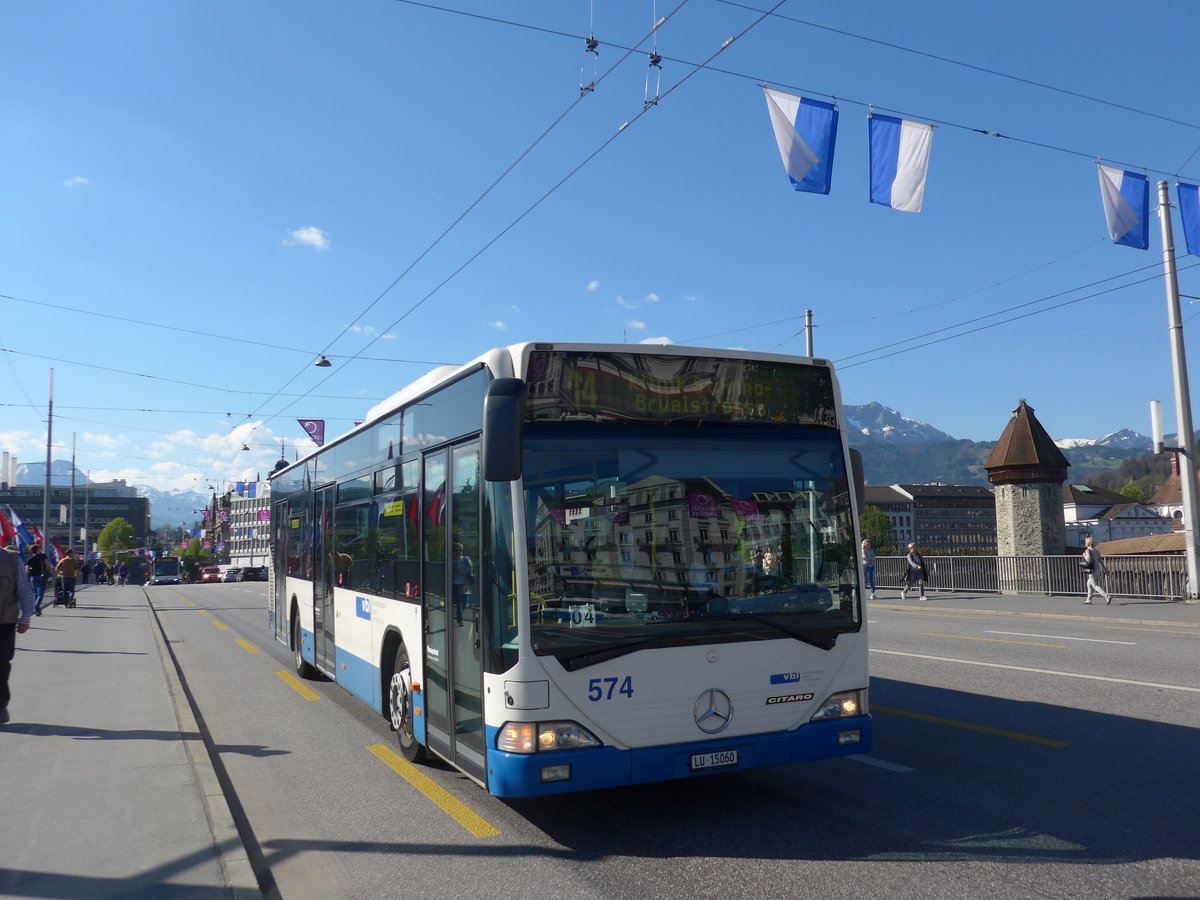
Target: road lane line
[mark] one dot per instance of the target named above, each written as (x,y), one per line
(880,763)
(246,645)
(435,793)
(220,625)
(1153,630)
(294,683)
(1059,637)
(973,662)
(203,612)
(1016,736)
(963,637)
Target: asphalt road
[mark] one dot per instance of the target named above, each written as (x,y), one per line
(1014,758)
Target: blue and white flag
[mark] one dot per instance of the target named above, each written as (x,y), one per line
(1189,211)
(24,537)
(805,131)
(899,161)
(1126,197)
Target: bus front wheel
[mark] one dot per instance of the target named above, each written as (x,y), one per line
(303,668)
(400,708)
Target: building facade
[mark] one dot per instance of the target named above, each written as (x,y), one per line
(89,507)
(941,519)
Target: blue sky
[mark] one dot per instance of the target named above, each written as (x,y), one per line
(237,187)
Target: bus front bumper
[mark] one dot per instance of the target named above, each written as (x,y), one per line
(525,775)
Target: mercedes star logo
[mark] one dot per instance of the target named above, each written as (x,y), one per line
(713,711)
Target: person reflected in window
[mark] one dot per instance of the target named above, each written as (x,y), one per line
(463,579)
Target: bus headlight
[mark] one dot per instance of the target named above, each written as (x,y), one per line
(544,737)
(842,705)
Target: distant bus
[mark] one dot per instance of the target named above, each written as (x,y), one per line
(166,570)
(571,566)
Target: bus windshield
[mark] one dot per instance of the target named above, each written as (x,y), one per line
(651,536)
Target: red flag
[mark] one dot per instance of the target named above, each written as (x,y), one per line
(8,534)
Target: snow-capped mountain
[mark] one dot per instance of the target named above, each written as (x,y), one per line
(874,421)
(1125,439)
(174,507)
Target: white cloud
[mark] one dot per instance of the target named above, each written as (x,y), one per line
(621,301)
(499,325)
(656,340)
(652,298)
(107,441)
(313,237)
(691,298)
(634,323)
(592,286)
(75,181)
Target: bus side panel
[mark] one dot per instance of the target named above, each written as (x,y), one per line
(363,622)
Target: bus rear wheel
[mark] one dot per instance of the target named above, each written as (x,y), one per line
(400,708)
(303,668)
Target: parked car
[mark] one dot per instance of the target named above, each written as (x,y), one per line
(233,574)
(255,573)
(210,573)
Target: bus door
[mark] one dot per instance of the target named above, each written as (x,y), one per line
(453,670)
(323,572)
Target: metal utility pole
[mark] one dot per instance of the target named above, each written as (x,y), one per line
(71,515)
(808,333)
(46,494)
(1183,401)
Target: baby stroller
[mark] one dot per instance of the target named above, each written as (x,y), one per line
(59,598)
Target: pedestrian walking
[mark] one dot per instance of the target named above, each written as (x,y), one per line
(36,567)
(1093,566)
(86,570)
(915,574)
(16,606)
(868,563)
(67,569)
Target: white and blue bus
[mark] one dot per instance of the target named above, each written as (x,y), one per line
(562,567)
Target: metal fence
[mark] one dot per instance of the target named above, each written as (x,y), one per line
(1163,577)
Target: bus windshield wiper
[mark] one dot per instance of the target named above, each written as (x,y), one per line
(600,654)
(822,638)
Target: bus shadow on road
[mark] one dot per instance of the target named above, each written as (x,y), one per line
(967,777)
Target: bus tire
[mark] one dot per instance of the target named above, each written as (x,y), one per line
(400,708)
(303,668)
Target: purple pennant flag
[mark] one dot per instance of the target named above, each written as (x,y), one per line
(223,514)
(702,506)
(747,510)
(315,429)
(207,515)
(616,513)
(264,515)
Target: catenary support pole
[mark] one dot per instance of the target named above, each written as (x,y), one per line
(46,495)
(808,333)
(1183,401)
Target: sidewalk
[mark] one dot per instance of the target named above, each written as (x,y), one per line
(107,789)
(1127,610)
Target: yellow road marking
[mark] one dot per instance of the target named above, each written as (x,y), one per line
(1155,630)
(203,612)
(963,637)
(968,726)
(294,683)
(221,625)
(246,645)
(439,796)
(191,603)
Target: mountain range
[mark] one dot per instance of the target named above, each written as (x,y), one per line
(895,449)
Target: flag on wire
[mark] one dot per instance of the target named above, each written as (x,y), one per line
(252,490)
(241,488)
(1189,211)
(1126,197)
(806,131)
(315,429)
(899,152)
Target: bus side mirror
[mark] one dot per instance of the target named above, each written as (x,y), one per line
(860,481)
(503,418)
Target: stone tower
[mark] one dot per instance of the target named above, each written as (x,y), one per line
(1028,471)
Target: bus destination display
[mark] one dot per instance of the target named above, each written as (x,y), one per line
(566,385)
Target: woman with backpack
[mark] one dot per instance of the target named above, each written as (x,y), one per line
(915,574)
(1092,564)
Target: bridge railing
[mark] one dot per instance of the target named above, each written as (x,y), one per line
(1162,576)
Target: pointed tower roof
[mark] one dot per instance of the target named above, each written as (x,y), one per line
(1025,454)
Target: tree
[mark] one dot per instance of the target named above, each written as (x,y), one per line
(877,528)
(116,537)
(1133,492)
